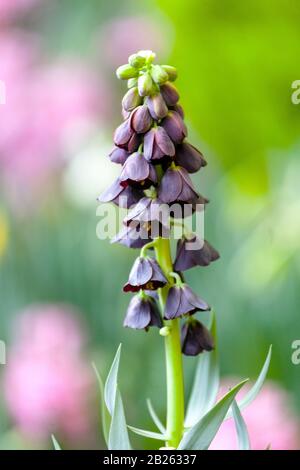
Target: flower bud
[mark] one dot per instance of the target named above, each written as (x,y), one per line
(126,71)
(137,61)
(171,71)
(148,55)
(157,106)
(159,75)
(170,94)
(140,119)
(145,84)
(175,127)
(131,99)
(132,82)
(164,331)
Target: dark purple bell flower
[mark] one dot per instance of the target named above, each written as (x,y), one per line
(118,155)
(151,211)
(157,106)
(122,197)
(169,93)
(140,119)
(126,138)
(134,236)
(175,127)
(142,313)
(176,186)
(179,109)
(195,338)
(145,274)
(194,252)
(131,99)
(182,300)
(137,171)
(157,145)
(189,157)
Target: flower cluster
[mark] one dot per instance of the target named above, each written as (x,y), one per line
(156,160)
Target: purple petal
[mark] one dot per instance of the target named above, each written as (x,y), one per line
(172,304)
(170,186)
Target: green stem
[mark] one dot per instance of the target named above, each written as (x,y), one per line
(174,369)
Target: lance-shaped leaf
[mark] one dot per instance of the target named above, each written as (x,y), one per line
(256,388)
(145,433)
(111,383)
(56,445)
(118,434)
(105,416)
(200,436)
(206,382)
(154,417)
(241,428)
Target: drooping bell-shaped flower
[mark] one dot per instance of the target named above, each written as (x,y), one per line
(175,127)
(176,186)
(145,274)
(194,252)
(126,138)
(169,93)
(151,211)
(195,338)
(118,155)
(189,157)
(137,171)
(182,300)
(158,145)
(142,313)
(124,197)
(157,106)
(140,119)
(135,235)
(131,99)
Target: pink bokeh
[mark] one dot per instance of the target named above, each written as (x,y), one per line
(10,9)
(270,421)
(126,35)
(47,382)
(46,106)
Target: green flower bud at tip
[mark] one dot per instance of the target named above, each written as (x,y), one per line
(164,331)
(132,82)
(145,84)
(148,55)
(159,75)
(126,71)
(171,71)
(136,60)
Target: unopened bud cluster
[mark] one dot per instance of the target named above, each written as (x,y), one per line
(156,160)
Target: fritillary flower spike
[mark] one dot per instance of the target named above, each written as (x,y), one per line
(156,159)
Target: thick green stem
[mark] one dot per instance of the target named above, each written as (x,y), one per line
(174,370)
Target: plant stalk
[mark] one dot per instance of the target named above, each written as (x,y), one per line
(174,369)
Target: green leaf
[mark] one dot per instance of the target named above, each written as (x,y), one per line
(200,436)
(118,435)
(145,433)
(254,391)
(55,443)
(206,383)
(241,428)
(111,383)
(105,416)
(155,418)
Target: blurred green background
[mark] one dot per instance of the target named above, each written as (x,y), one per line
(236,63)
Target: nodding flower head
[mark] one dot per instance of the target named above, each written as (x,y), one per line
(145,274)
(182,300)
(195,338)
(142,313)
